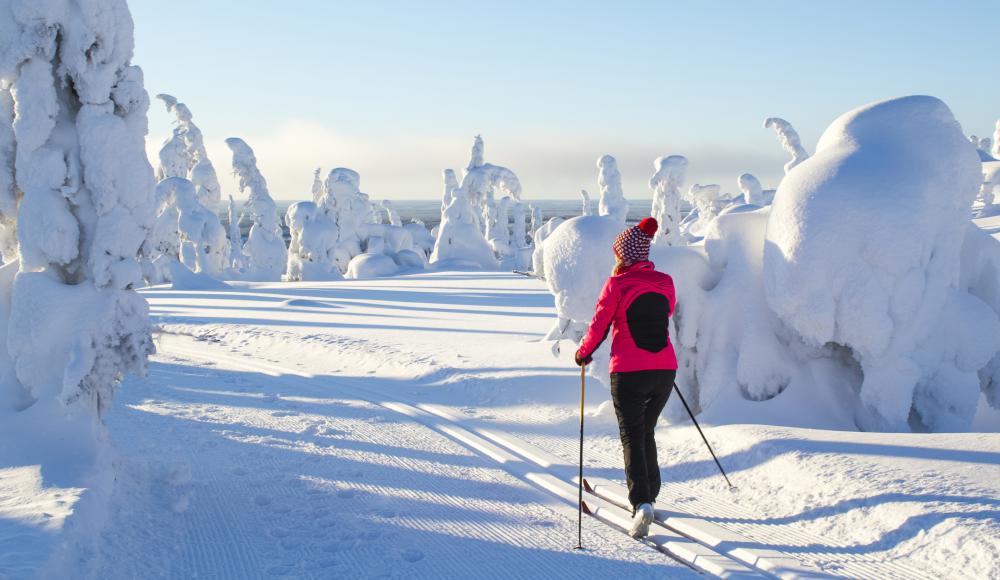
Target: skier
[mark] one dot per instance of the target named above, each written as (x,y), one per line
(635,305)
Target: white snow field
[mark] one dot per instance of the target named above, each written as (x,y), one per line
(417,427)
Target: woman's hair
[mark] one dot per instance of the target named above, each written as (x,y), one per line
(620,266)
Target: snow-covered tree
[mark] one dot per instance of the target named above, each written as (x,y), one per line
(317,187)
(613,202)
(202,241)
(588,207)
(183,156)
(80,164)
(200,170)
(391,214)
(995,151)
(666,183)
(235,237)
(8,189)
(450,187)
(484,181)
(499,234)
(753,193)
(349,209)
(459,241)
(536,218)
(264,250)
(790,141)
(312,251)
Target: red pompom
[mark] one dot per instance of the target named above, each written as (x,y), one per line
(649,226)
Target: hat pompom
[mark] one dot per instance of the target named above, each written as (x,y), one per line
(649,226)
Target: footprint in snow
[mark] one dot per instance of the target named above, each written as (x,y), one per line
(346,493)
(411,555)
(279,570)
(262,500)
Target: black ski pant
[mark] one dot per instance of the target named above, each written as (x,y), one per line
(639,397)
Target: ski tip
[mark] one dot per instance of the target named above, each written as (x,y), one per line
(586,508)
(586,486)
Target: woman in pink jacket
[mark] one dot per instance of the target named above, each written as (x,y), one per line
(635,305)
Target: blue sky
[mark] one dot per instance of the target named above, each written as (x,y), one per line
(397,90)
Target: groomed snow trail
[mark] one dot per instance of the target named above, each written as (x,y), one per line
(242,469)
(256,476)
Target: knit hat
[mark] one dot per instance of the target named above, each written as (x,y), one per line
(632,245)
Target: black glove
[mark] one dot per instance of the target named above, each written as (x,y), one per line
(582,361)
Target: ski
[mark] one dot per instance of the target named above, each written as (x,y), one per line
(709,534)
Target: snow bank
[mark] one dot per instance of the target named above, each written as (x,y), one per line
(863,248)
(375,265)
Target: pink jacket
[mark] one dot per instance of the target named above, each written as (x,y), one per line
(636,306)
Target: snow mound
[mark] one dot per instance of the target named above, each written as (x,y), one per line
(182,278)
(371,266)
(862,251)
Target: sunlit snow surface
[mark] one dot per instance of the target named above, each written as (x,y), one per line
(304,477)
(265,443)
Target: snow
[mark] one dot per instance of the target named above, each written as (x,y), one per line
(353,406)
(280,430)
(371,265)
(862,250)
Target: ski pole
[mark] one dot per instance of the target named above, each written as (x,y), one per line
(579,502)
(702,433)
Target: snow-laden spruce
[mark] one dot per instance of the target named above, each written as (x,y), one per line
(862,251)
(264,252)
(8,188)
(204,246)
(460,242)
(790,141)
(666,183)
(313,245)
(609,179)
(187,228)
(77,146)
(588,206)
(484,181)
